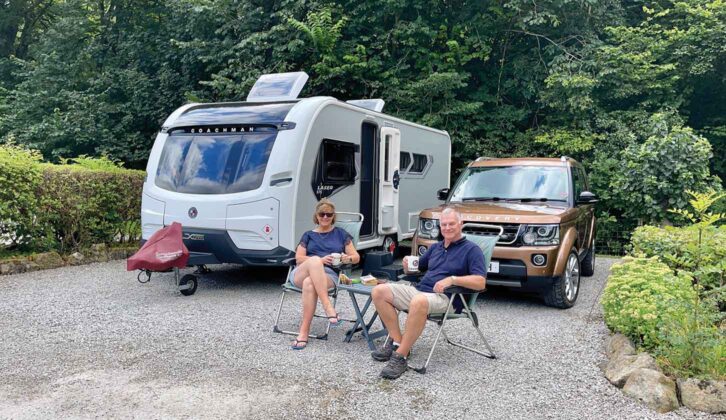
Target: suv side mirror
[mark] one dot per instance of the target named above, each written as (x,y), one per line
(586,197)
(443,194)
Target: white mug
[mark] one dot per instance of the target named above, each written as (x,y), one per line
(336,258)
(412,263)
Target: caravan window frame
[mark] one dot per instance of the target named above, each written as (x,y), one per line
(322,159)
(402,170)
(411,173)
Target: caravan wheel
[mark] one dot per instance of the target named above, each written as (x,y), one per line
(390,244)
(188,285)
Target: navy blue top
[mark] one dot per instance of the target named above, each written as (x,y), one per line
(322,244)
(461,258)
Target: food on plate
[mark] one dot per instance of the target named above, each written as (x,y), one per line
(343,279)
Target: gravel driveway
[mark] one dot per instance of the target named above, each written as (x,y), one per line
(90,341)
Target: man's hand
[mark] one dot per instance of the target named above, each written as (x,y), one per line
(443,284)
(405,265)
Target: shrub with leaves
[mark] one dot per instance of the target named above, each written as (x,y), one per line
(680,249)
(640,295)
(692,345)
(698,249)
(19,179)
(84,206)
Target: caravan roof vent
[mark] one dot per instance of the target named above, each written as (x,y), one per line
(277,87)
(372,104)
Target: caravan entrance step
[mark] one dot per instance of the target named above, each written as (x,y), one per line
(375,260)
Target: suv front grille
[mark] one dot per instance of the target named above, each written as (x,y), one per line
(509,236)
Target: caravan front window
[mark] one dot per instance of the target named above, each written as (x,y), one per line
(214,164)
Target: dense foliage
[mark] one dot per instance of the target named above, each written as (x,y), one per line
(681,250)
(661,312)
(65,207)
(641,293)
(632,89)
(671,298)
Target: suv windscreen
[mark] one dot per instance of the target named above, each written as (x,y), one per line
(214,164)
(524,183)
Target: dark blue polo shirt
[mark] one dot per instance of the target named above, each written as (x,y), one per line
(461,258)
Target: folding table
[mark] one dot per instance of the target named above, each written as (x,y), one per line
(361,324)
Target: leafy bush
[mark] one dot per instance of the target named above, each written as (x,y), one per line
(19,180)
(640,295)
(103,163)
(680,249)
(652,177)
(85,206)
(692,345)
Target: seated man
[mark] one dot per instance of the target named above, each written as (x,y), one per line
(453,262)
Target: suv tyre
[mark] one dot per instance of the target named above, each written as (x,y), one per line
(564,291)
(587,266)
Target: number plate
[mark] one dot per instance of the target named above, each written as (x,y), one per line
(493,267)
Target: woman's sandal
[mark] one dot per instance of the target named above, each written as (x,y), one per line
(296,345)
(338,320)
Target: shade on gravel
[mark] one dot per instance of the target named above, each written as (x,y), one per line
(90,341)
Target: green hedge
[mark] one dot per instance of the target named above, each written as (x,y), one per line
(65,207)
(20,177)
(85,206)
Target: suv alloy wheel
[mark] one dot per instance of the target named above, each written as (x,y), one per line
(565,290)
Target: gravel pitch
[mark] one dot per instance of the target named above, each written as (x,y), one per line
(90,341)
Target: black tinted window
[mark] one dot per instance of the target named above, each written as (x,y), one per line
(578,180)
(338,162)
(214,164)
(419,163)
(404,161)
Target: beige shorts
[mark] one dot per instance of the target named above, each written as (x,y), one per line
(403,293)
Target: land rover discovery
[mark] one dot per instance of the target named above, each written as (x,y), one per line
(546,214)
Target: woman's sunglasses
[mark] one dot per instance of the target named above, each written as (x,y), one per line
(323,214)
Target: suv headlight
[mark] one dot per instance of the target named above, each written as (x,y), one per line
(428,228)
(541,235)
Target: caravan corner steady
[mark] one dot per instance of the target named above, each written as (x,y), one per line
(243,177)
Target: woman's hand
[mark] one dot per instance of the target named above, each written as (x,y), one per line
(328,260)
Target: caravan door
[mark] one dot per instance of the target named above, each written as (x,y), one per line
(389,158)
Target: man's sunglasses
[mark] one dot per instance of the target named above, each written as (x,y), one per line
(323,214)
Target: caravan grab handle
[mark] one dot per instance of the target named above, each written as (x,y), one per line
(280,181)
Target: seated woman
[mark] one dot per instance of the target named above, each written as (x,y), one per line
(313,273)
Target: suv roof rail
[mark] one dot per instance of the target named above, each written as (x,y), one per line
(480,158)
(564,158)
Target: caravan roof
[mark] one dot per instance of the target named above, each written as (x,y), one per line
(234,113)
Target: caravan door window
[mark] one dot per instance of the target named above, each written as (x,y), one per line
(214,164)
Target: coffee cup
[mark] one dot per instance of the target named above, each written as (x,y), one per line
(412,263)
(336,258)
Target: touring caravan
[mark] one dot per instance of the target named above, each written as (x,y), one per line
(243,177)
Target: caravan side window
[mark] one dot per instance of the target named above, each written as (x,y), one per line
(405,161)
(420,163)
(336,162)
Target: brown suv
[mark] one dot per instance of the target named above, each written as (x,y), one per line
(546,214)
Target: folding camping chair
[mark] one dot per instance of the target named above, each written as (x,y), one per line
(353,228)
(486,242)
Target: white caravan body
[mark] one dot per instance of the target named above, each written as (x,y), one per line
(243,178)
